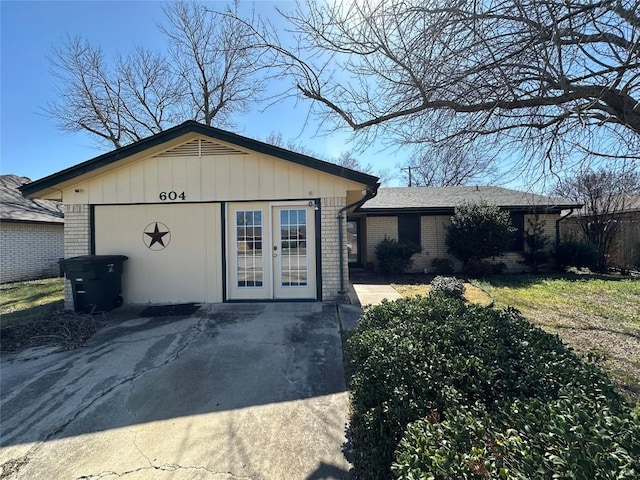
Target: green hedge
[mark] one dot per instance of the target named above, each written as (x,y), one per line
(422,358)
(577,436)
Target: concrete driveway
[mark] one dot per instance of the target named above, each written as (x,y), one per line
(237,391)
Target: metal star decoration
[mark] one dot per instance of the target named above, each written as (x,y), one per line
(156,236)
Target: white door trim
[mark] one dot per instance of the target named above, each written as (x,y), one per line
(270,226)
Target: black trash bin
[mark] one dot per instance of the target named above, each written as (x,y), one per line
(96,281)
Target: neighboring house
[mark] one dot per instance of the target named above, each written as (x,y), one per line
(421,215)
(205,215)
(31,234)
(625,250)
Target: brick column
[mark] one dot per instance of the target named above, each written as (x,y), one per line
(77,239)
(330,250)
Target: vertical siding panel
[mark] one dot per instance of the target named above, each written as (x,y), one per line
(136,174)
(251,177)
(109,188)
(225,180)
(281,185)
(151,180)
(296,182)
(94,188)
(193,178)
(208,179)
(179,175)
(123,185)
(267,178)
(165,176)
(310,188)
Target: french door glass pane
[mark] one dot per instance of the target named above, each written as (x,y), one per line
(249,248)
(293,248)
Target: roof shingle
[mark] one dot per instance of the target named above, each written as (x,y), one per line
(15,207)
(443,198)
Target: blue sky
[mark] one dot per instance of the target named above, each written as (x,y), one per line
(30,142)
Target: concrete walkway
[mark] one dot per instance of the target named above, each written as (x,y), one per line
(365,289)
(370,289)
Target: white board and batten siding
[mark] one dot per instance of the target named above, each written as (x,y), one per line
(206,171)
(189,269)
(182,186)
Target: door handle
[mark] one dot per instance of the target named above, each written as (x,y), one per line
(275,254)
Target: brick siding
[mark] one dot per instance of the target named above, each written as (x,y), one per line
(30,251)
(77,239)
(379,228)
(330,251)
(433,232)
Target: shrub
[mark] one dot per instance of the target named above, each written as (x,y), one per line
(422,357)
(394,257)
(482,268)
(442,266)
(536,255)
(575,436)
(451,287)
(577,254)
(479,231)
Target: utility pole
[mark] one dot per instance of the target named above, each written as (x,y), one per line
(409,169)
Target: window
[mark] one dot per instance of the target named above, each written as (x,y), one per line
(293,248)
(249,248)
(409,228)
(353,239)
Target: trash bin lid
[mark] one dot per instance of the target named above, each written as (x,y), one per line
(88,259)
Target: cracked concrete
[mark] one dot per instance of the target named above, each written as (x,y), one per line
(246,391)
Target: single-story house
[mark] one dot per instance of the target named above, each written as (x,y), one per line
(421,215)
(31,233)
(205,215)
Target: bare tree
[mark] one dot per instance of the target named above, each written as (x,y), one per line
(346,159)
(213,59)
(208,75)
(555,77)
(605,194)
(448,166)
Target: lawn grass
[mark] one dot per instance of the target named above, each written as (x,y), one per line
(595,315)
(25,300)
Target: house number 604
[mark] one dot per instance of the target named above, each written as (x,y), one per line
(164,196)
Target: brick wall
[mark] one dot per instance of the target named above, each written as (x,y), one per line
(377,229)
(77,239)
(30,251)
(433,233)
(330,250)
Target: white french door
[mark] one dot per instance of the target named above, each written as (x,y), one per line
(271,251)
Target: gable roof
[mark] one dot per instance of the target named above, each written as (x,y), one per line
(14,207)
(445,199)
(187,127)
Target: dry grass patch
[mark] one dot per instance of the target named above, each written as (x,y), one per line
(594,315)
(472,293)
(597,316)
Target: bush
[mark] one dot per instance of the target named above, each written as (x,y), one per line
(482,268)
(451,287)
(577,254)
(394,258)
(442,266)
(537,241)
(576,436)
(420,358)
(479,231)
